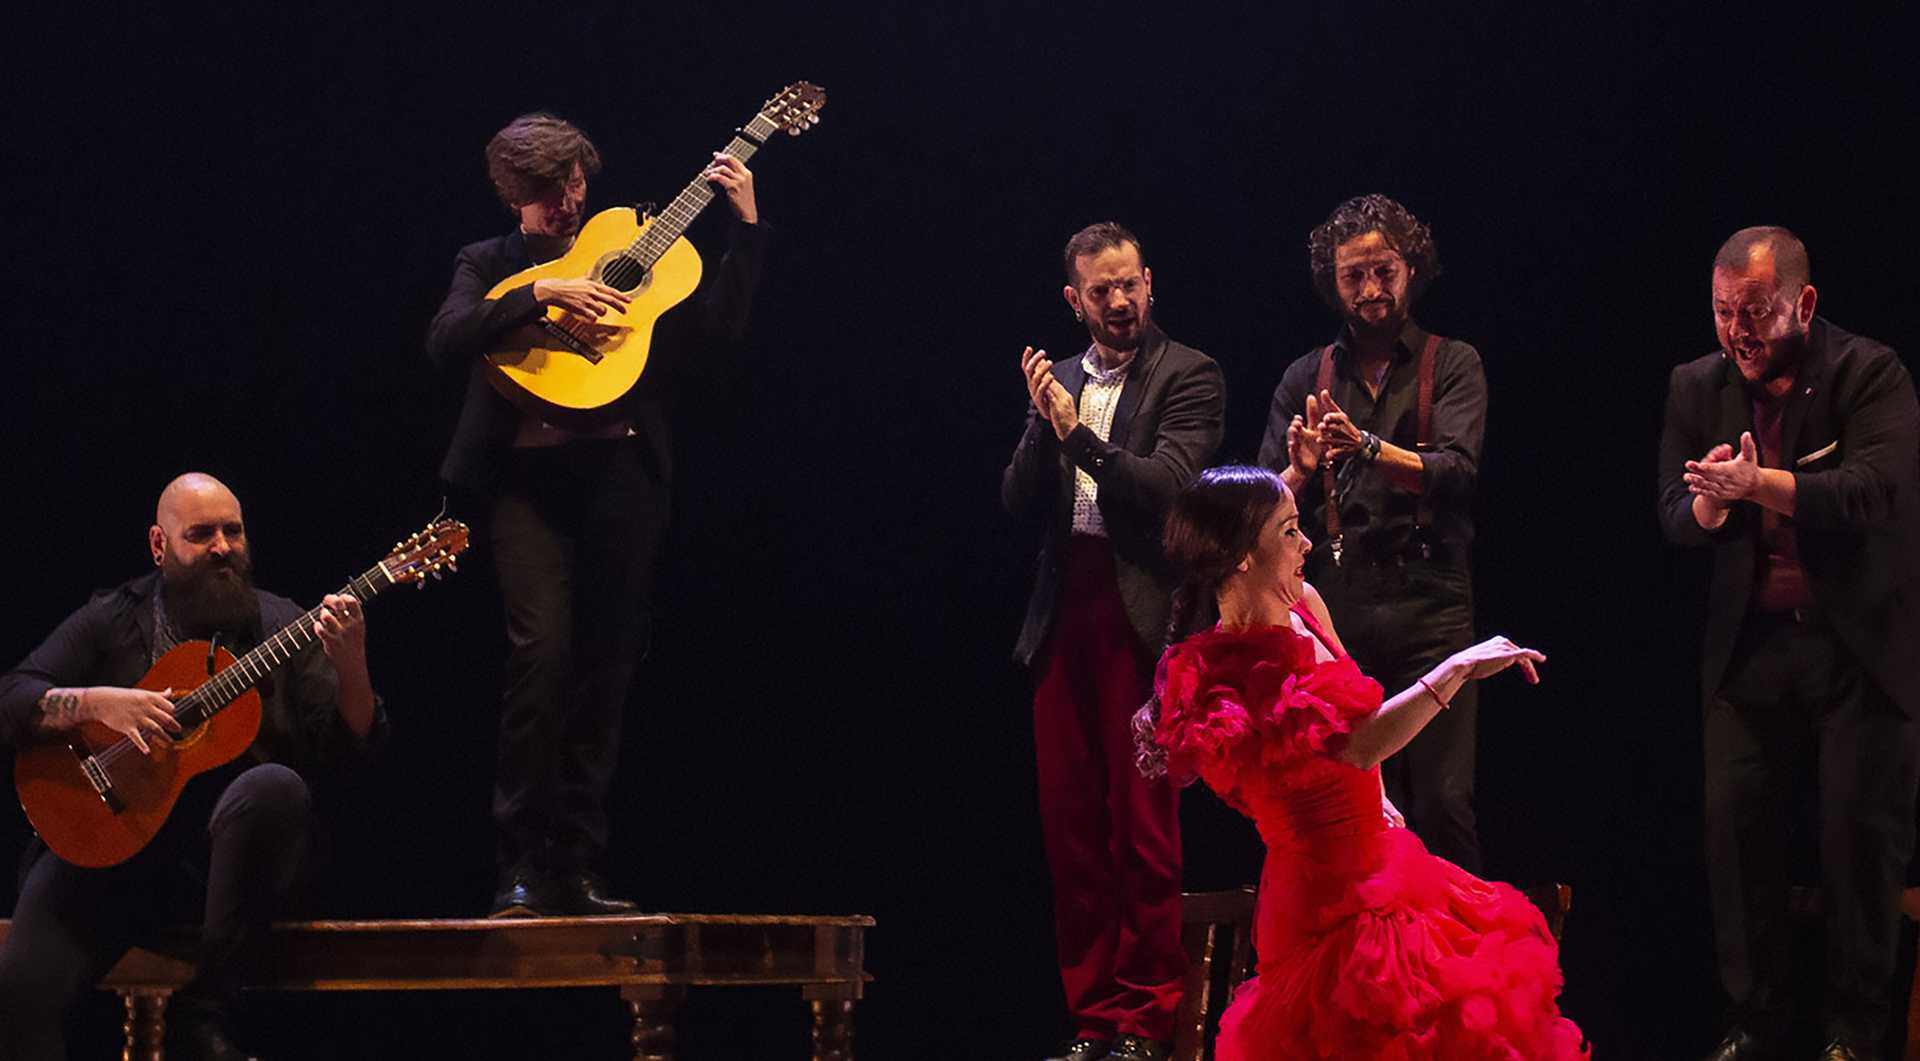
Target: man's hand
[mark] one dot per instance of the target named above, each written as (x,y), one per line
(1338,436)
(342,629)
(1046,393)
(1305,447)
(734,178)
(140,715)
(587,299)
(1723,477)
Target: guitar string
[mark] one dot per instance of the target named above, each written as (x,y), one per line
(219,682)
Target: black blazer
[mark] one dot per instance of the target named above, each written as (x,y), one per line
(1852,432)
(1166,428)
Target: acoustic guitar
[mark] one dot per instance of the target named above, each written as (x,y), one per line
(96,799)
(575,367)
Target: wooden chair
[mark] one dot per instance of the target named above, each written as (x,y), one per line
(1217,930)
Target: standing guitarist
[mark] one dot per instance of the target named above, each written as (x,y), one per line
(238,840)
(577,512)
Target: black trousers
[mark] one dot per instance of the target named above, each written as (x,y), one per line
(1797,721)
(1398,620)
(242,863)
(575,529)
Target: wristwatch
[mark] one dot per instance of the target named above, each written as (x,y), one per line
(1369,445)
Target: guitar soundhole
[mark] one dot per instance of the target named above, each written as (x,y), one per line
(623,274)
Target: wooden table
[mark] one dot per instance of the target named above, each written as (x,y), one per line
(651,958)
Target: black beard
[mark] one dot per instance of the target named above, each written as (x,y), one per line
(1392,325)
(212,597)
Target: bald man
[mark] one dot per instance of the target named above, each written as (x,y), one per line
(1792,453)
(235,851)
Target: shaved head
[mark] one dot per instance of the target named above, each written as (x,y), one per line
(190,491)
(1766,249)
(199,542)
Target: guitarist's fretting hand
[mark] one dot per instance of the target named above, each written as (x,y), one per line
(586,299)
(342,630)
(734,178)
(140,715)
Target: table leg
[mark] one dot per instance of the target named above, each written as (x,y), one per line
(653,1008)
(144,1029)
(832,1029)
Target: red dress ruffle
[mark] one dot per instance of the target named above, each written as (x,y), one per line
(1370,947)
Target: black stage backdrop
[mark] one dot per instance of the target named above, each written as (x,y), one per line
(231,228)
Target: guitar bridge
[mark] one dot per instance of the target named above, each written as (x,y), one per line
(102,784)
(571,341)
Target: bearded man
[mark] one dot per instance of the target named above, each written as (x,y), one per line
(1111,438)
(1378,434)
(237,845)
(1792,453)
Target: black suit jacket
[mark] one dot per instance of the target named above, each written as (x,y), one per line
(1166,428)
(468,325)
(1851,435)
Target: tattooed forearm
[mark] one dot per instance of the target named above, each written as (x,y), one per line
(59,709)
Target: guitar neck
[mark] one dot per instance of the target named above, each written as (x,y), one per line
(247,671)
(672,222)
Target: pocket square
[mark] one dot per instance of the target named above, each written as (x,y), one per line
(1817,454)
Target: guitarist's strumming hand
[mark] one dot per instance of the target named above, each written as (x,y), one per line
(587,299)
(734,178)
(140,715)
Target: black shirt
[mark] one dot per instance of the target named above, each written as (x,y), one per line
(1377,517)
(109,641)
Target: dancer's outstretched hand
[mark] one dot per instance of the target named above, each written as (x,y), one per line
(1496,654)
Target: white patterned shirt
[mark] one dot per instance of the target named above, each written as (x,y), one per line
(1098,399)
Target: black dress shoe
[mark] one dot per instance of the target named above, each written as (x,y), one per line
(528,893)
(1739,1045)
(1139,1048)
(1084,1050)
(1840,1051)
(518,897)
(581,894)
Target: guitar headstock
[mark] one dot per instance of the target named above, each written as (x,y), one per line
(794,109)
(429,551)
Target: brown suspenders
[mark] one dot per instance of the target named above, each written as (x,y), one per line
(1423,429)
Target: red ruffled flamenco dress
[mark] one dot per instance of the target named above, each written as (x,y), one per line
(1369,946)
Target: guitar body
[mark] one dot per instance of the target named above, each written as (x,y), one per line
(553,379)
(77,822)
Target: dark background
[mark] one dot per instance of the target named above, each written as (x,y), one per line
(231,229)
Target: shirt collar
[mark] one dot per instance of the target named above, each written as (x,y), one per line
(1105,377)
(1412,340)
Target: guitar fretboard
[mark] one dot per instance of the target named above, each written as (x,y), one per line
(672,222)
(247,671)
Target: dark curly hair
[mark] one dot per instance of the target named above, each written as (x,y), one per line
(535,154)
(1360,215)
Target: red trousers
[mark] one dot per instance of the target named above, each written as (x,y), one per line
(1112,837)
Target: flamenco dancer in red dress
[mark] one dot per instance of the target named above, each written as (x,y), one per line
(1370,948)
